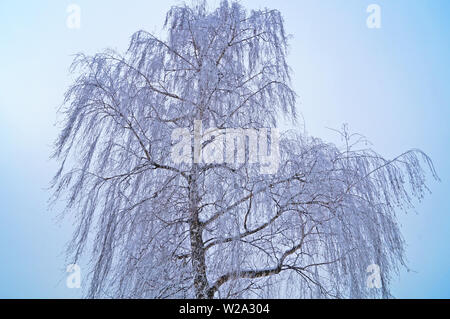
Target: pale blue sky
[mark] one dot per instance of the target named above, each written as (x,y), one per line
(390,84)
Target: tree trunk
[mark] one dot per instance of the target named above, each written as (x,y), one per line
(197,245)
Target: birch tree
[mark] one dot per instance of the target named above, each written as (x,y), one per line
(153,228)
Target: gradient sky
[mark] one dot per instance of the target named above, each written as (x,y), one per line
(390,84)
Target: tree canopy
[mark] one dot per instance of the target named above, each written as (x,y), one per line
(158,229)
